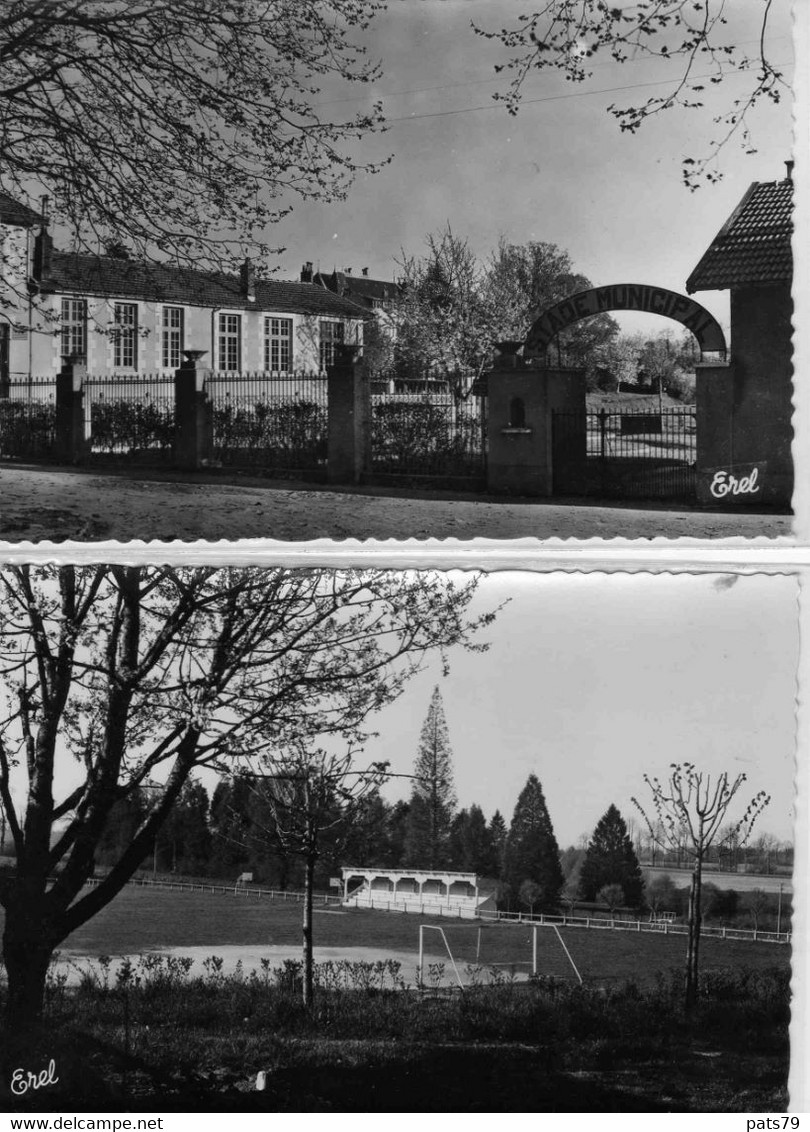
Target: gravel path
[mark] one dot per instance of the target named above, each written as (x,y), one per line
(39,503)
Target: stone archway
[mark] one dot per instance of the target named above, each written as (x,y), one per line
(626,297)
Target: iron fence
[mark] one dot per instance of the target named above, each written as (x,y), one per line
(430,437)
(130,415)
(274,422)
(626,454)
(28,419)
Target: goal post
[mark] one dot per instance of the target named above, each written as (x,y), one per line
(421,966)
(490,948)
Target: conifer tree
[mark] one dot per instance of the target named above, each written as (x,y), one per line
(470,844)
(497,838)
(433,800)
(184,843)
(396,830)
(532,852)
(611,859)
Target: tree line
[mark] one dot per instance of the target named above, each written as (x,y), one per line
(453,307)
(239,829)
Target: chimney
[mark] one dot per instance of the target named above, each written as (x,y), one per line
(43,250)
(365,272)
(247,275)
(789,173)
(347,271)
(306,272)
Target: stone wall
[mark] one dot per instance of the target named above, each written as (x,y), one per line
(744,409)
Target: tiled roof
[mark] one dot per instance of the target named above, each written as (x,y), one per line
(16,214)
(131,279)
(753,246)
(360,288)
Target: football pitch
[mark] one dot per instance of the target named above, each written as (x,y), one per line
(203,924)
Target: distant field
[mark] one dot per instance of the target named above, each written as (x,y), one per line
(140,919)
(741,882)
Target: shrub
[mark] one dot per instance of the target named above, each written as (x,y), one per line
(27,428)
(289,433)
(719,903)
(424,437)
(127,426)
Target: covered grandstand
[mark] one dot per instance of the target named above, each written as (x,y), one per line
(427,892)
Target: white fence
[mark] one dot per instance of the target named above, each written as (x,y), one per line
(604,923)
(429,908)
(235,889)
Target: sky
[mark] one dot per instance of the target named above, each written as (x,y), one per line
(593,680)
(561,171)
(590,681)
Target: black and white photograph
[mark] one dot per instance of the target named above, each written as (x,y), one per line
(299,269)
(279,840)
(404,558)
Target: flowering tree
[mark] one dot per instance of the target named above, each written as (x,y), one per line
(444,322)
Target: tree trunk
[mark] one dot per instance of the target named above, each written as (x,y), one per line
(27,954)
(308,880)
(693,946)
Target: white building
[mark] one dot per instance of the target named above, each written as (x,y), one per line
(126,316)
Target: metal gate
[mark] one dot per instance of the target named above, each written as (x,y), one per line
(625,454)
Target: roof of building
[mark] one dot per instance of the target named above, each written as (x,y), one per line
(359,288)
(18,215)
(133,279)
(753,246)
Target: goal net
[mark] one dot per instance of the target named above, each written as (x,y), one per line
(481,954)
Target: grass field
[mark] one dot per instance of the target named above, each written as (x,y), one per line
(143,919)
(166,1039)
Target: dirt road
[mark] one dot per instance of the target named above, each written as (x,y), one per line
(38,503)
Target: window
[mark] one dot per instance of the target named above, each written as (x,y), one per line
(229,345)
(332,335)
(74,328)
(278,345)
(173,327)
(125,353)
(517,413)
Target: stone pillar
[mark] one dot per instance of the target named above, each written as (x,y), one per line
(349,417)
(521,401)
(72,432)
(714,422)
(193,426)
